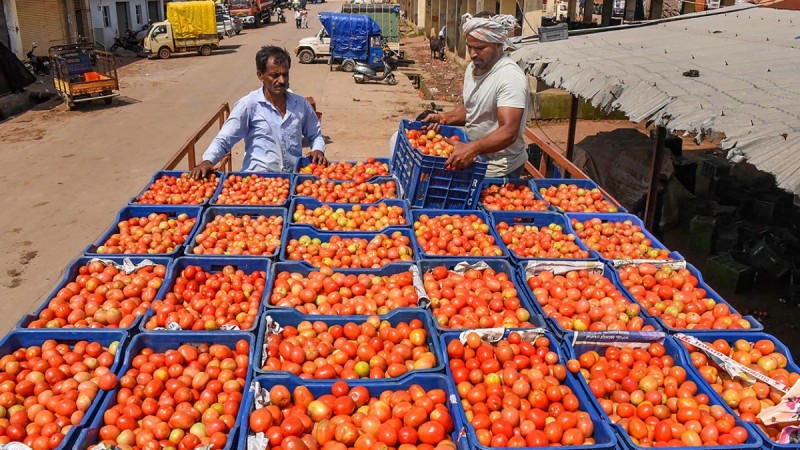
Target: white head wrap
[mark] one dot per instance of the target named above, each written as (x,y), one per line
(495,29)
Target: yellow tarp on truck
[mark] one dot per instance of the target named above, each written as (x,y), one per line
(191,20)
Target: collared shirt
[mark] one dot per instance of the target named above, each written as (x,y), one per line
(272,143)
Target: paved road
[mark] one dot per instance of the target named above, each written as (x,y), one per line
(66,173)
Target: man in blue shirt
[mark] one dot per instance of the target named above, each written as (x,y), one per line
(271,120)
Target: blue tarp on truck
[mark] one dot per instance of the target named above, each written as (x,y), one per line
(350,34)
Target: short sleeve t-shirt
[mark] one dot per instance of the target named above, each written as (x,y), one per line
(504,86)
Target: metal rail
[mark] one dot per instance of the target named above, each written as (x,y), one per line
(188,147)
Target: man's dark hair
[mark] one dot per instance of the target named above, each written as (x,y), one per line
(277,54)
(484,15)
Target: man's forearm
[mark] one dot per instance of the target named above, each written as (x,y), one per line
(456,117)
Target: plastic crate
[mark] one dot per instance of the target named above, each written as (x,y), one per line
(580,182)
(608,273)
(603,434)
(299,179)
(673,348)
(238,211)
(210,264)
(498,265)
(729,274)
(516,182)
(553,33)
(582,217)
(71,273)
(297,232)
(177,174)
(22,338)
(130,211)
(304,161)
(284,317)
(160,343)
(539,219)
(311,203)
(415,214)
(227,175)
(731,337)
(426,181)
(375,388)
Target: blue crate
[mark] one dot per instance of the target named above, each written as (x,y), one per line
(227,175)
(210,213)
(299,179)
(584,183)
(603,434)
(304,161)
(130,211)
(375,387)
(71,273)
(284,317)
(539,219)
(160,343)
(673,348)
(177,174)
(731,337)
(621,218)
(305,269)
(297,232)
(755,326)
(312,203)
(516,182)
(22,338)
(498,265)
(415,214)
(210,264)
(608,273)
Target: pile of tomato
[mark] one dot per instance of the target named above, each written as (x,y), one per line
(358,172)
(547,242)
(431,143)
(156,233)
(571,198)
(346,191)
(511,197)
(180,190)
(357,218)
(617,240)
(254,189)
(247,234)
(455,235)
(351,252)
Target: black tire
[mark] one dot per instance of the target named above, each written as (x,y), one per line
(114,48)
(391,80)
(359,80)
(164,53)
(256,22)
(306,56)
(268,19)
(205,50)
(108,100)
(348,66)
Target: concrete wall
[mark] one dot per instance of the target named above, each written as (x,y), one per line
(12,28)
(105,35)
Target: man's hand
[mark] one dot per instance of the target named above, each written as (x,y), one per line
(201,170)
(317,157)
(433,119)
(463,155)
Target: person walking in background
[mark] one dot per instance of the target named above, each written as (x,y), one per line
(304,18)
(297,17)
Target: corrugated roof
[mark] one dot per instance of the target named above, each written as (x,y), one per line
(748,86)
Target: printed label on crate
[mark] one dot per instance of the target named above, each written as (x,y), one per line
(790,435)
(21,446)
(127,265)
(258,441)
(492,335)
(171,326)
(677,265)
(227,327)
(733,368)
(271,328)
(533,268)
(597,340)
(788,410)
(419,287)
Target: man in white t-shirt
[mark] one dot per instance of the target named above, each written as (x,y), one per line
(495,100)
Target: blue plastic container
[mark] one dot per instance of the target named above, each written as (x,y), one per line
(128,212)
(210,265)
(603,434)
(427,381)
(583,183)
(539,219)
(415,214)
(755,326)
(487,182)
(176,174)
(284,317)
(305,269)
(553,323)
(237,211)
(299,179)
(673,348)
(72,272)
(304,161)
(297,232)
(161,343)
(311,204)
(582,217)
(21,338)
(227,175)
(498,265)
(425,180)
(731,337)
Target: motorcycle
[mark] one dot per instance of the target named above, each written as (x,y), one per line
(281,16)
(363,72)
(128,42)
(38,64)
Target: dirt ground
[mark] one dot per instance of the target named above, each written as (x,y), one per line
(443,79)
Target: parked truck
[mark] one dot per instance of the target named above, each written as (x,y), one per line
(190,27)
(387,15)
(253,13)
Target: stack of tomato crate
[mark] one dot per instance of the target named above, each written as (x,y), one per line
(337,308)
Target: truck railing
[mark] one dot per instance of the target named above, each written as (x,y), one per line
(189,151)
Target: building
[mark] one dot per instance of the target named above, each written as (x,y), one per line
(110,19)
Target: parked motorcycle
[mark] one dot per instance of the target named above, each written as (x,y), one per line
(363,72)
(281,16)
(128,42)
(38,64)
